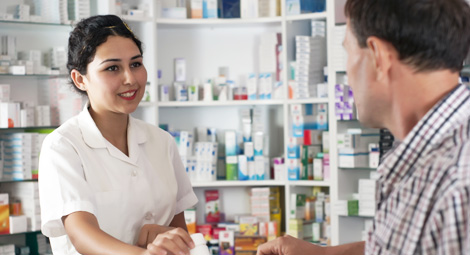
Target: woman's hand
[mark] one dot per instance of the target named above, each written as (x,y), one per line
(149,232)
(175,241)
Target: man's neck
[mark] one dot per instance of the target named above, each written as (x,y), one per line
(414,95)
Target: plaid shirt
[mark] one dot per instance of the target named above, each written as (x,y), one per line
(424,188)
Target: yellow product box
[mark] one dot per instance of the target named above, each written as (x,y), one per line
(248,225)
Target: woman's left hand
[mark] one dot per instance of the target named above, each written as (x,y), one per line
(149,232)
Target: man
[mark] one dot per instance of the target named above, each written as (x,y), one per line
(404,58)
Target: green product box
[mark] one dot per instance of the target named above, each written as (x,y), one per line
(232,168)
(353,207)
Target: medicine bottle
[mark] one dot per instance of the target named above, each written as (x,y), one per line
(200,245)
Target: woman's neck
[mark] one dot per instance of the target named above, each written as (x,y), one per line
(113,127)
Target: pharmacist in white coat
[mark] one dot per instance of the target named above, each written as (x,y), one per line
(109,183)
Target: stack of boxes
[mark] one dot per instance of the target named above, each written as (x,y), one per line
(308,147)
(309,217)
(79,9)
(270,68)
(355,146)
(266,206)
(251,162)
(20,155)
(200,158)
(27,194)
(339,57)
(29,62)
(364,202)
(344,103)
(21,114)
(309,67)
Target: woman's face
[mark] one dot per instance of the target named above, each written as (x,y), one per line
(116,78)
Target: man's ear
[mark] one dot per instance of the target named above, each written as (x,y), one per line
(382,54)
(78,79)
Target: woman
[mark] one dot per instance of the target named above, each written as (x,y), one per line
(109,183)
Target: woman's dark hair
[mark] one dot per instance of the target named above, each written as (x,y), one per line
(90,33)
(428,34)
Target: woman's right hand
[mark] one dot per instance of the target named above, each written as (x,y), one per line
(173,242)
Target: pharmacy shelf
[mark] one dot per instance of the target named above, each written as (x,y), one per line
(220,103)
(27,180)
(22,233)
(48,76)
(15,129)
(309,183)
(219,184)
(223,22)
(136,19)
(307,16)
(308,101)
(29,23)
(357,216)
(357,168)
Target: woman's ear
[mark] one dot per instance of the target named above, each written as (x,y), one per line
(78,79)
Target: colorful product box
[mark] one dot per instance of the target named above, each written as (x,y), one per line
(226,243)
(212,206)
(4,214)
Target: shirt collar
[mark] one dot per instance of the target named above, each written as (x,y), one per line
(93,137)
(428,134)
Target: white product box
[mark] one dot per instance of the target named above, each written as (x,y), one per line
(351,158)
(252,86)
(243,174)
(260,167)
(230,143)
(9,114)
(174,13)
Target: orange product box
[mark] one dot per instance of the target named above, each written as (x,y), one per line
(4,214)
(190,218)
(248,243)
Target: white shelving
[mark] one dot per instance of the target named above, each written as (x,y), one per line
(207,44)
(265,183)
(221,103)
(218,22)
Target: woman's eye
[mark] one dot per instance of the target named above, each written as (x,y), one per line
(112,68)
(136,64)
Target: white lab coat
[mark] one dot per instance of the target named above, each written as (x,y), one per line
(79,170)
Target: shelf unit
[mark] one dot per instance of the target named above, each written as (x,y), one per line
(207,44)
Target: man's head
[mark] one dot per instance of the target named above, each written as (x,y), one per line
(422,36)
(428,34)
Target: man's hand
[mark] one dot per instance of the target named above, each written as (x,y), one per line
(174,241)
(288,245)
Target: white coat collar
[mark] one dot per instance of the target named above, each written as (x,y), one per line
(93,137)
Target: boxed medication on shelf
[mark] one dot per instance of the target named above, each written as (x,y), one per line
(4,214)
(297,206)
(293,169)
(18,224)
(352,158)
(226,243)
(209,9)
(232,167)
(212,198)
(195,9)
